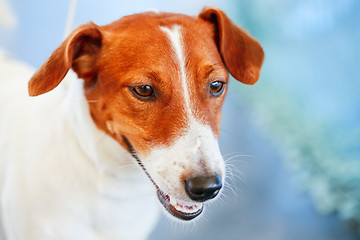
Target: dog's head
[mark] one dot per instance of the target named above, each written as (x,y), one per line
(156,82)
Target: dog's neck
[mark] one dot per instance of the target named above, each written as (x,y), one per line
(111,159)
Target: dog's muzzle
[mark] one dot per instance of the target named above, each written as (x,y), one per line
(198,188)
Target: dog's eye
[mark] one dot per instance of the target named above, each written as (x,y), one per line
(143,92)
(216,88)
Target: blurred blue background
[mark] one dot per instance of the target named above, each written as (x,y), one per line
(292,141)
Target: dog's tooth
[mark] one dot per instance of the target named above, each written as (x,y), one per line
(179,208)
(184,207)
(172,201)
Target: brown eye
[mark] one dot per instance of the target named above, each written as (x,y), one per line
(216,88)
(143,91)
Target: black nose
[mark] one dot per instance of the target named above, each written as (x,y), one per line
(203,188)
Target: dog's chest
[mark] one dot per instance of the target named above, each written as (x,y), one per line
(117,211)
(113,217)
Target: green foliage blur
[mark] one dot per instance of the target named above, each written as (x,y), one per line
(308,96)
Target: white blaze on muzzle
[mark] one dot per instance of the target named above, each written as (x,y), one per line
(195,154)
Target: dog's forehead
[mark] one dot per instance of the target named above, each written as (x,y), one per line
(143,34)
(141,42)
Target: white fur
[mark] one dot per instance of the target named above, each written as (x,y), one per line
(174,35)
(50,150)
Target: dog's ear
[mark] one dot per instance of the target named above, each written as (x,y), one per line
(242,55)
(79,52)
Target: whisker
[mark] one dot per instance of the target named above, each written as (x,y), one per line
(237,156)
(233,172)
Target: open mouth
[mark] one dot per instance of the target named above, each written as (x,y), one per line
(179,209)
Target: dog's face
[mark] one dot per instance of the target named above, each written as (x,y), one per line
(156,84)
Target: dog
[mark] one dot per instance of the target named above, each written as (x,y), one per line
(138,127)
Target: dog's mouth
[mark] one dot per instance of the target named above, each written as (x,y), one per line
(177,208)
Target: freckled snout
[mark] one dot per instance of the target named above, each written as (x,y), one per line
(203,188)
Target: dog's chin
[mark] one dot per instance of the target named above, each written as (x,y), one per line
(179,209)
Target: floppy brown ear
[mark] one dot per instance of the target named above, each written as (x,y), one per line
(79,52)
(242,55)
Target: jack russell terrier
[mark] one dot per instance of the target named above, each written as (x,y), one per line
(140,126)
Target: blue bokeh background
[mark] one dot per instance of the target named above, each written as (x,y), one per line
(292,140)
